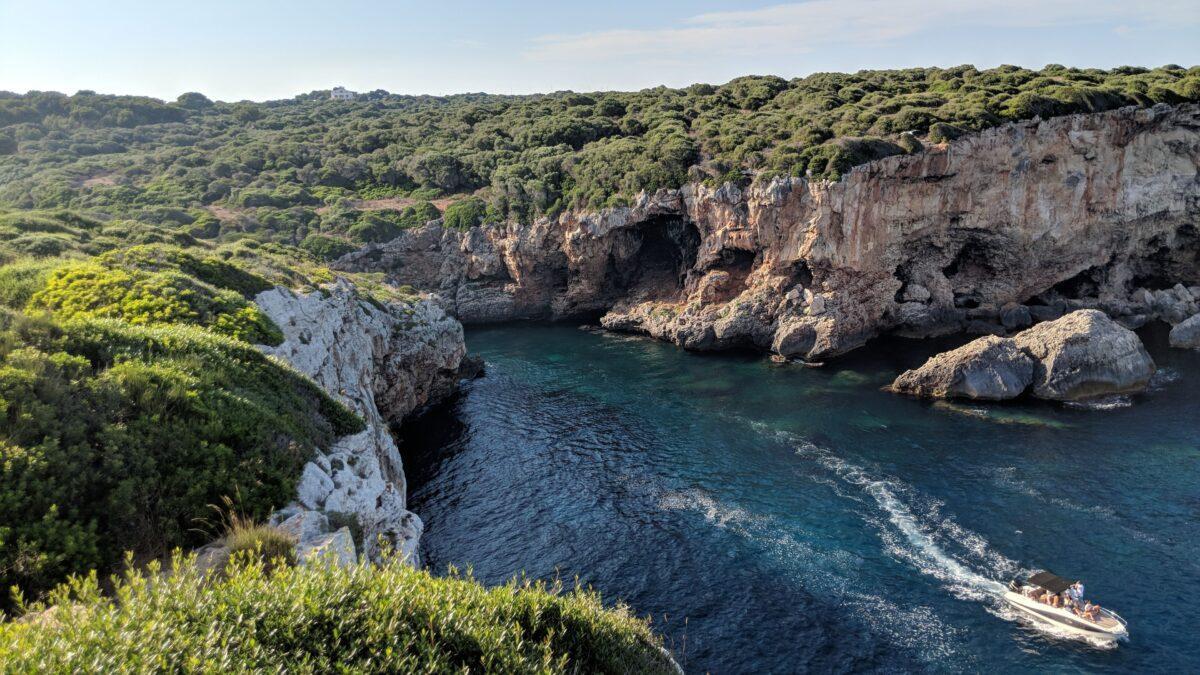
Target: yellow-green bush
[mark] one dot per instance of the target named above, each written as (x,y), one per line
(152,298)
(324,619)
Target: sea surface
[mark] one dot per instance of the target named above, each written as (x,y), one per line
(777,518)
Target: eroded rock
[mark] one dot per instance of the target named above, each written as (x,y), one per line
(908,243)
(1082,355)
(990,368)
(383,362)
(1186,335)
(1085,354)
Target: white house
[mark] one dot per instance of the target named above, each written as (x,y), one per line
(342,94)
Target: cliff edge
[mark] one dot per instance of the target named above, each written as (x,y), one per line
(383,362)
(988,234)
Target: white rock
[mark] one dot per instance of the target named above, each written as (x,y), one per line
(383,363)
(305,526)
(314,488)
(336,548)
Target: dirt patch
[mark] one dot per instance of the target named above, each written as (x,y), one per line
(226,212)
(96,180)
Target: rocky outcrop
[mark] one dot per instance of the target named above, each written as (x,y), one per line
(1082,355)
(383,362)
(1017,224)
(1186,335)
(990,368)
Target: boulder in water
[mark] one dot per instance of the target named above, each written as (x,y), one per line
(1186,335)
(1081,355)
(990,368)
(1085,354)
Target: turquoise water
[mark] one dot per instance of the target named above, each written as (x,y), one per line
(780,518)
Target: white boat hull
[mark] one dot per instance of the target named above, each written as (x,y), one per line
(1107,628)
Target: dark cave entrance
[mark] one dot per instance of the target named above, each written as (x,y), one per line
(1170,262)
(666,249)
(976,262)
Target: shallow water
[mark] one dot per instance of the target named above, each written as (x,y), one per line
(780,518)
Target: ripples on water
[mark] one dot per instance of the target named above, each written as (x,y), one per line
(781,519)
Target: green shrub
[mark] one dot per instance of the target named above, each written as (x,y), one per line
(326,248)
(206,268)
(465,214)
(322,618)
(21,279)
(152,298)
(118,437)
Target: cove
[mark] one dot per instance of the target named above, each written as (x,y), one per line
(780,518)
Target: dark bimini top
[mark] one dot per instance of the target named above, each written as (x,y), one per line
(1051,582)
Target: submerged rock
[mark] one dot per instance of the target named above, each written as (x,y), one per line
(1082,355)
(1186,335)
(990,368)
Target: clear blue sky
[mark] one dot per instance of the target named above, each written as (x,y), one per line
(251,49)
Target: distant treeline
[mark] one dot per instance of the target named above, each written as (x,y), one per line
(286,169)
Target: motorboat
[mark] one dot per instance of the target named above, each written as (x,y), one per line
(1107,626)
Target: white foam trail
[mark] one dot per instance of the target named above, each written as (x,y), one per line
(830,573)
(911,527)
(922,549)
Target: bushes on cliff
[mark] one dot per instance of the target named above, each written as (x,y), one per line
(321,618)
(152,298)
(324,247)
(118,437)
(465,214)
(525,155)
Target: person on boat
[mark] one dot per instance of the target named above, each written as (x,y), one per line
(1045,597)
(1076,591)
(1091,612)
(1067,601)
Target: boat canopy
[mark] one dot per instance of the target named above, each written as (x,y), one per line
(1051,582)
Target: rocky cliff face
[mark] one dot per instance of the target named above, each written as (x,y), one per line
(384,363)
(990,233)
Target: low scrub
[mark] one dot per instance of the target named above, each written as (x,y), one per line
(116,437)
(322,619)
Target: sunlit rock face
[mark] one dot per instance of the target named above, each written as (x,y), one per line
(383,362)
(988,234)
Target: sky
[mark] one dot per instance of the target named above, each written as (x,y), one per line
(268,49)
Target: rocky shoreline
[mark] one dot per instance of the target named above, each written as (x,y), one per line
(988,235)
(384,362)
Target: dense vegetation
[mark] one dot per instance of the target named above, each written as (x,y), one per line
(328,174)
(323,619)
(131,397)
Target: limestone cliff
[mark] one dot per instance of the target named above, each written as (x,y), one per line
(989,233)
(384,362)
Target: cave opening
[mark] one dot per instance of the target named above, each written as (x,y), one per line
(665,250)
(1086,284)
(1172,261)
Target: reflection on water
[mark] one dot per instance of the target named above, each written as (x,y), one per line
(776,519)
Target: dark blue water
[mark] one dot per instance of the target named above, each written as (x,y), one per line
(781,519)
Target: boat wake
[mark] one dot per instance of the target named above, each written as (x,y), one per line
(913,529)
